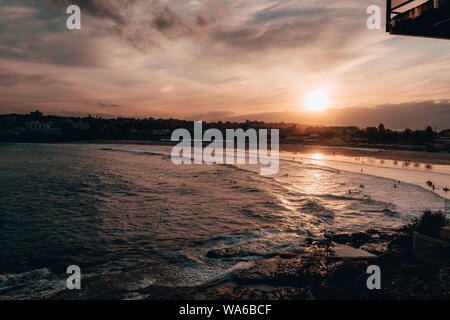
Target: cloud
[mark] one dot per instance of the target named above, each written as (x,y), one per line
(111,105)
(278,14)
(12,13)
(105,9)
(218,58)
(175,25)
(144,24)
(231,80)
(11,78)
(280,28)
(56,48)
(31,32)
(162,23)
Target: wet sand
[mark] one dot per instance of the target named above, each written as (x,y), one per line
(387,154)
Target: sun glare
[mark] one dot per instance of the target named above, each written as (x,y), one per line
(317,156)
(317,100)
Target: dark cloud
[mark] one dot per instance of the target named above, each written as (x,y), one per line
(331,32)
(11,79)
(273,27)
(33,37)
(71,49)
(270,14)
(105,105)
(98,8)
(164,23)
(175,25)
(277,35)
(143,33)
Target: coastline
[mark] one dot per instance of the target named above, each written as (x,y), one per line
(333,268)
(435,158)
(305,272)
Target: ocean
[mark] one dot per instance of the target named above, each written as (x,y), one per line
(127,212)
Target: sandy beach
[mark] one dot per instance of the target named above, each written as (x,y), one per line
(387,154)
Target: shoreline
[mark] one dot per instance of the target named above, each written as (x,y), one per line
(332,268)
(436,158)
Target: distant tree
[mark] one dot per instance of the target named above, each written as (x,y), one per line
(381,136)
(429,134)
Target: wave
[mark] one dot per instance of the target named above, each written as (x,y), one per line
(385,211)
(138,153)
(314,207)
(36,283)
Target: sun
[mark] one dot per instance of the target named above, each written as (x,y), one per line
(317,100)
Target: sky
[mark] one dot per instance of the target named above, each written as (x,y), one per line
(220,60)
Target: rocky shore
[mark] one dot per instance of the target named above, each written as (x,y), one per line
(331,268)
(335,268)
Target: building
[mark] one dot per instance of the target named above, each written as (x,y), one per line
(39,128)
(372,130)
(81,125)
(344,130)
(36,115)
(314,137)
(160,132)
(9,127)
(7,122)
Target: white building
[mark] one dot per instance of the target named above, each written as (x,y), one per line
(42,128)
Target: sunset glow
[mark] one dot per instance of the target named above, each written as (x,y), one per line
(317,101)
(207,153)
(220,61)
